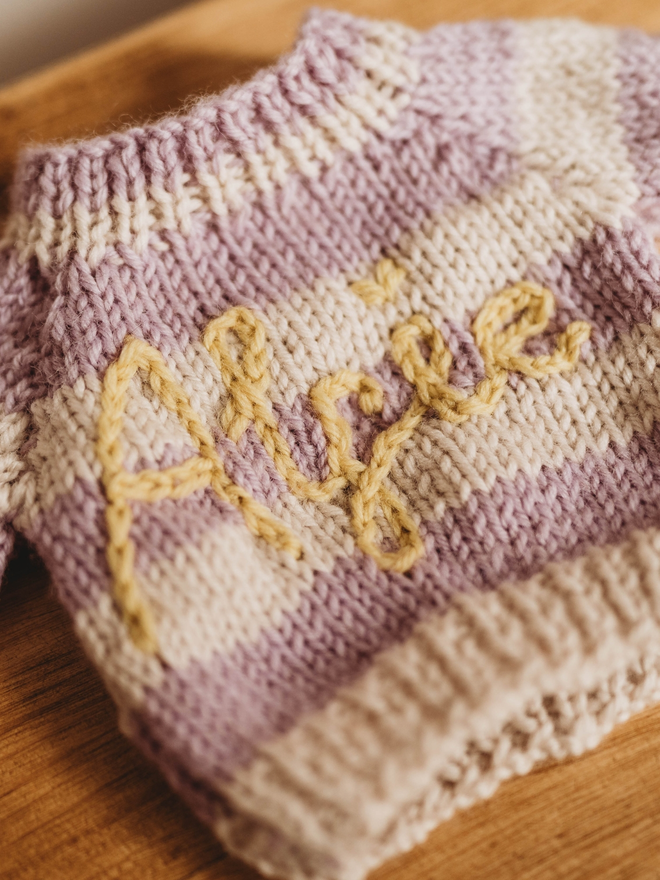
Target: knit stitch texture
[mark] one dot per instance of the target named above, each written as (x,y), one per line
(331,407)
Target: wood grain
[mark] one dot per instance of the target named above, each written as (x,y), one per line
(77,802)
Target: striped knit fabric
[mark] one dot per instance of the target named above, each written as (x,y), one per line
(332,408)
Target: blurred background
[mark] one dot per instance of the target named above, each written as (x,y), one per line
(36,32)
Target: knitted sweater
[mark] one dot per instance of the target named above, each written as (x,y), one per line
(331,407)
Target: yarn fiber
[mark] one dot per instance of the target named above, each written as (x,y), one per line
(332,408)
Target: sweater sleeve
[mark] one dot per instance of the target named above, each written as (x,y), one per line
(20,299)
(12,432)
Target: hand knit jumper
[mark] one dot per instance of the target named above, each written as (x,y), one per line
(332,407)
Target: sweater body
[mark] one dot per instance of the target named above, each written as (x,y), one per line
(331,408)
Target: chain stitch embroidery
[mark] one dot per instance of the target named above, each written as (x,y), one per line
(178,481)
(383,287)
(247,379)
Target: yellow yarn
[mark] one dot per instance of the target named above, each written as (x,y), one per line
(383,288)
(247,379)
(203,470)
(367,479)
(500,344)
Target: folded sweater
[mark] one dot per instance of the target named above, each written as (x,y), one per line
(331,407)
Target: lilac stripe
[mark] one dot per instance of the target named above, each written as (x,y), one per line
(639,97)
(249,465)
(397,398)
(439,153)
(209,805)
(258,256)
(71,540)
(611,280)
(468,364)
(206,804)
(213,715)
(467,80)
(303,432)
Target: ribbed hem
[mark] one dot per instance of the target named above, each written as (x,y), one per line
(553,727)
(542,669)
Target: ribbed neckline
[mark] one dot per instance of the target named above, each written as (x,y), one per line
(301,84)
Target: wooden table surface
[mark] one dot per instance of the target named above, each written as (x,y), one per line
(76,800)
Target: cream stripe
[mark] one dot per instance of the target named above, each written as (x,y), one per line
(453,265)
(126,670)
(64,448)
(374,106)
(607,397)
(362,769)
(318,331)
(225,589)
(569,67)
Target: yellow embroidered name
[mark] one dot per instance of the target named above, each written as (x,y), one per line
(247,379)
